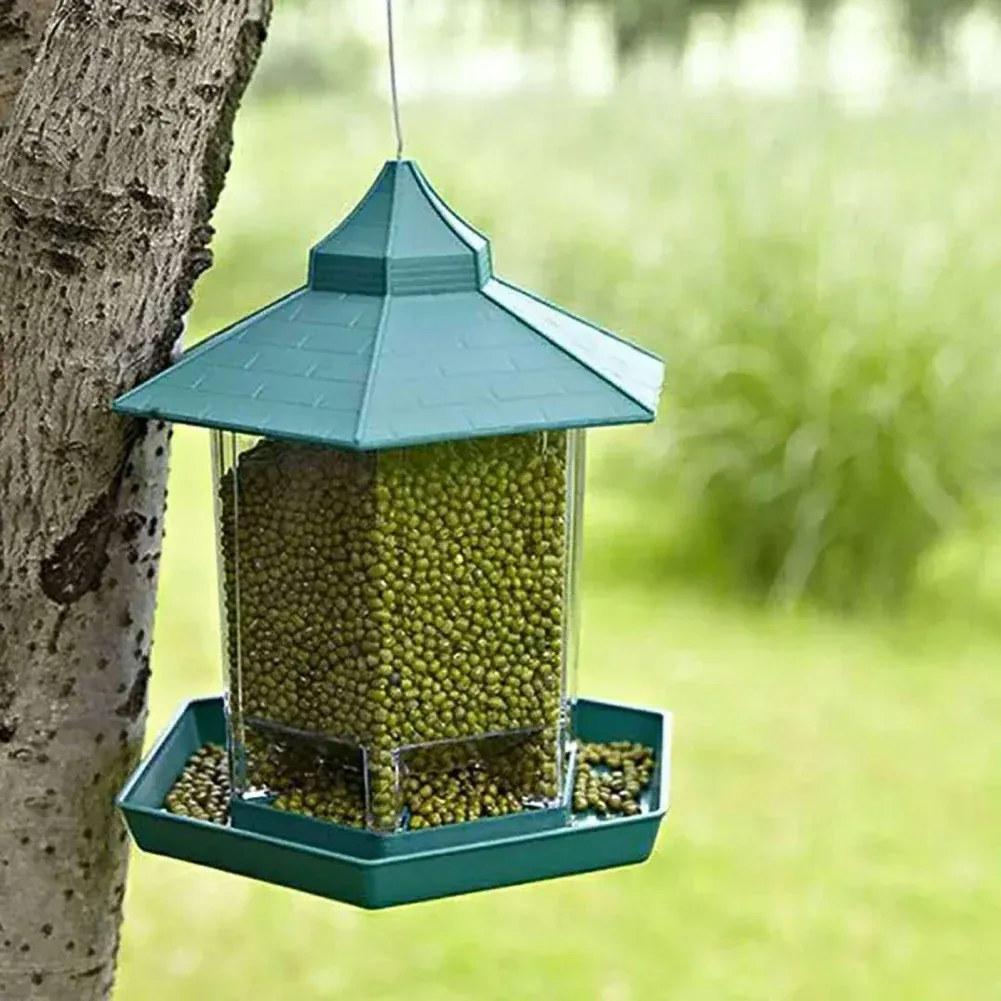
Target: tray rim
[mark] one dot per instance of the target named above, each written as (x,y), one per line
(665,718)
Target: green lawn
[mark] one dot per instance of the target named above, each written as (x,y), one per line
(833,834)
(836,813)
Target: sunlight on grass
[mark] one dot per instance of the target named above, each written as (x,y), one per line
(833,829)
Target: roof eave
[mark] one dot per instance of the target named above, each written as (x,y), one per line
(583,424)
(625,392)
(177,417)
(119,403)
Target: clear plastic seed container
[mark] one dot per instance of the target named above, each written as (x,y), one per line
(400,627)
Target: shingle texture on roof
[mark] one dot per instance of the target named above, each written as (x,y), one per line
(402,336)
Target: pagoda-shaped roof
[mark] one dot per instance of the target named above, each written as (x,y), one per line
(402,335)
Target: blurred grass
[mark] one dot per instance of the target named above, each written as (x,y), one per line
(836,812)
(833,833)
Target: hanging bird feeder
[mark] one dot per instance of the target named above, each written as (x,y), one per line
(399,473)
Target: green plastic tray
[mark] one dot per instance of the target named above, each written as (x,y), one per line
(261,818)
(583,844)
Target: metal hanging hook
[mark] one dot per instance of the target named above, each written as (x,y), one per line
(392,80)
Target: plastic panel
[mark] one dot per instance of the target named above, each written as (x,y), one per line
(576,477)
(388,614)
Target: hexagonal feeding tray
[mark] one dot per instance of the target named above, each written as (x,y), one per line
(287,849)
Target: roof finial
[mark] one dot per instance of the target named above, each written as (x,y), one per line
(392,80)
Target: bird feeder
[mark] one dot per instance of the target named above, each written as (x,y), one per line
(398,453)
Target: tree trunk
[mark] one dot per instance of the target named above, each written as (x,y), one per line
(112,160)
(21,26)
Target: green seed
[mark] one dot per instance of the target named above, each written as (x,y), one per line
(608,791)
(406,597)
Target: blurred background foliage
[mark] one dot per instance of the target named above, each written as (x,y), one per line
(819,268)
(797,205)
(638,24)
(637,27)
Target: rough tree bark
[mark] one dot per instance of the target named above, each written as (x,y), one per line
(111,161)
(21,26)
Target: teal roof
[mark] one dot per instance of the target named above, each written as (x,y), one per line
(401,336)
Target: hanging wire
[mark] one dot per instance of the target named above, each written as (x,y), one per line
(392,80)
